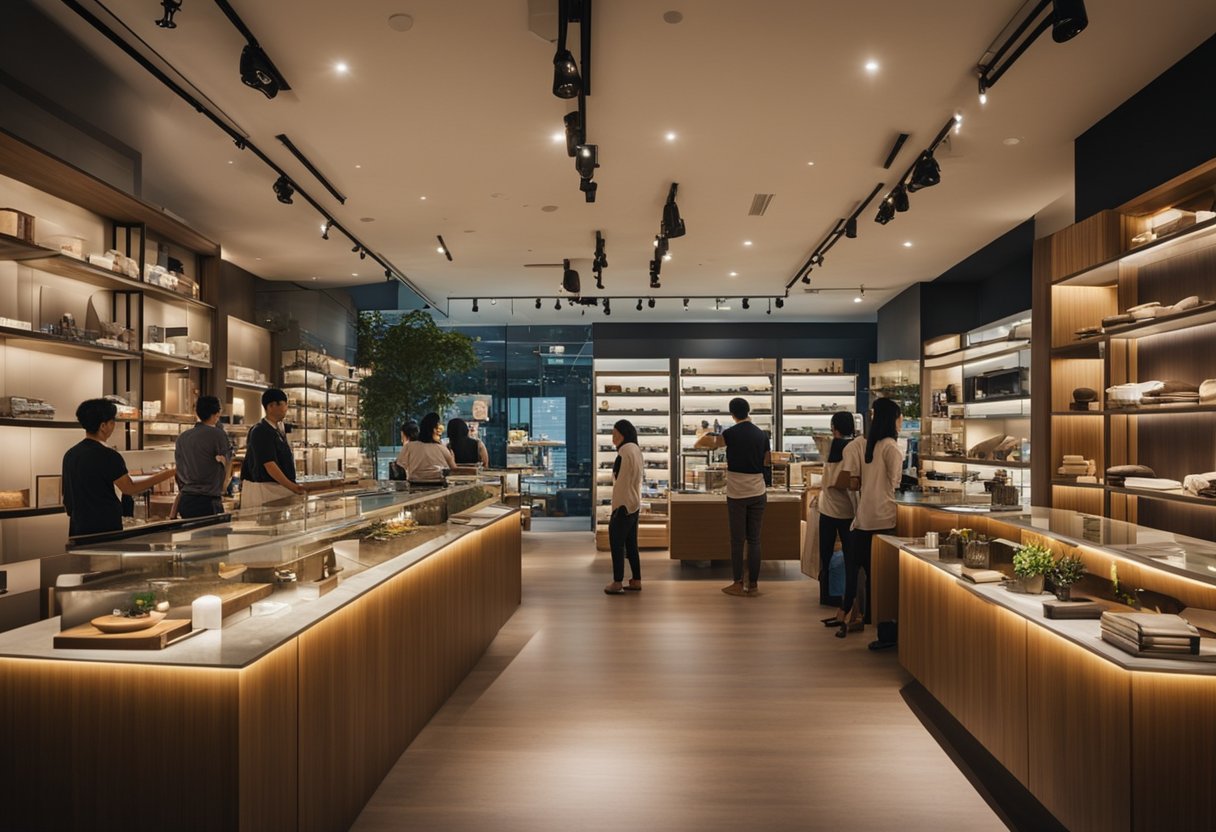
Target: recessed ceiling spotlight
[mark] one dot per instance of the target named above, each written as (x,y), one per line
(314,278)
(358,167)
(422,198)
(671,137)
(231,162)
(440,250)
(341,68)
(907,244)
(734,274)
(353,274)
(871,66)
(958,123)
(558,137)
(747,243)
(810,164)
(861,291)
(667,256)
(1011,141)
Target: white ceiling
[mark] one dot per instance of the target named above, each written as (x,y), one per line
(458,109)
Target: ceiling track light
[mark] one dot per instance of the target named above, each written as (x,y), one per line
(538,303)
(557,305)
(443,248)
(171,7)
(575,135)
(639,304)
(607,307)
(1066,19)
(850,231)
(780,302)
(570,280)
(362,254)
(672,225)
(746,303)
(685,304)
(861,293)
(899,199)
(475,309)
(310,167)
(257,70)
(843,228)
(328,224)
(650,303)
(283,189)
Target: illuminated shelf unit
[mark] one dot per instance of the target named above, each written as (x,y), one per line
(1159,247)
(640,391)
(811,390)
(323,398)
(975,388)
(706,386)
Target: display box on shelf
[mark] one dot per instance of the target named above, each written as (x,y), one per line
(17,224)
(14,323)
(25,407)
(48,489)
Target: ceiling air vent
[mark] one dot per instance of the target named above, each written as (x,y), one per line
(759,205)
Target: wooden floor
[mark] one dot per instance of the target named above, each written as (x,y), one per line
(677,708)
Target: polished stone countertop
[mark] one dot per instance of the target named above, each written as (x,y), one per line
(243,642)
(1084,633)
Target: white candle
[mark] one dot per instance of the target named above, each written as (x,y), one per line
(207,613)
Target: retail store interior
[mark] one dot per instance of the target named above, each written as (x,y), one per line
(264,264)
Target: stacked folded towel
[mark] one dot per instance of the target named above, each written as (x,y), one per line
(1123,395)
(1117,474)
(1075,465)
(1152,483)
(1201,485)
(1150,634)
(1172,391)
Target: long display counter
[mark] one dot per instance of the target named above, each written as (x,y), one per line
(282,720)
(1103,739)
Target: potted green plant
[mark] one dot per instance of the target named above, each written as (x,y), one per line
(958,540)
(1030,564)
(1065,572)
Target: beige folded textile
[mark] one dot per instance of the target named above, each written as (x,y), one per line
(1151,623)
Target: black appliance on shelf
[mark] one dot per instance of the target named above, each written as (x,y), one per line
(1007,383)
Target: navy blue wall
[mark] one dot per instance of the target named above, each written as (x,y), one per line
(1160,132)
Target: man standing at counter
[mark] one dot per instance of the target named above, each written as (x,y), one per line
(269,470)
(747,477)
(92,470)
(204,462)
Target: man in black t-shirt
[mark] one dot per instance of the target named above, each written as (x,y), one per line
(92,470)
(269,470)
(747,477)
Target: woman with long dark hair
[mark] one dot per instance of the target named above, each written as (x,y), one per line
(466,449)
(874,469)
(427,460)
(626,509)
(836,507)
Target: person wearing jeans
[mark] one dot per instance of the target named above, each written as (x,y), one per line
(626,509)
(836,508)
(747,477)
(875,468)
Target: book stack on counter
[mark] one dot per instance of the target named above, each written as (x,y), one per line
(1153,635)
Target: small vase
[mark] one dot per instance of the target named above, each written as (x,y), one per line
(1064,593)
(1033,585)
(975,555)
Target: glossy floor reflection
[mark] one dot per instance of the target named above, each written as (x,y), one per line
(677,708)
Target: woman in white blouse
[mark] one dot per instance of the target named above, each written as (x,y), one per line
(875,468)
(626,509)
(836,507)
(427,461)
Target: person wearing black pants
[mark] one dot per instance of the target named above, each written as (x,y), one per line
(875,469)
(748,475)
(626,509)
(836,508)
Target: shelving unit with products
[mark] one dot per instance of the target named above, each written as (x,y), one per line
(975,430)
(640,391)
(323,398)
(1132,318)
(899,379)
(247,377)
(84,270)
(811,391)
(706,388)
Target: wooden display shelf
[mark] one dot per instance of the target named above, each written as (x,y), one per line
(1159,410)
(65,265)
(246,385)
(30,511)
(156,637)
(39,169)
(965,460)
(1089,348)
(1170,323)
(1173,496)
(946,360)
(662,395)
(159,359)
(38,423)
(1075,484)
(41,341)
(1106,273)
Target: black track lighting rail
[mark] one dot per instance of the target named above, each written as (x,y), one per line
(1066,19)
(895,148)
(447,252)
(832,237)
(243,143)
(310,167)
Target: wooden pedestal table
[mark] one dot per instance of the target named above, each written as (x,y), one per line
(278,723)
(700,530)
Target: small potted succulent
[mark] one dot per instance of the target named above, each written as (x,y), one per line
(1030,564)
(975,552)
(955,546)
(1065,572)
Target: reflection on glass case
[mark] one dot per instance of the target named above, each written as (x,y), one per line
(263,561)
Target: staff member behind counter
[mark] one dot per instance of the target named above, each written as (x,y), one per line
(204,461)
(92,470)
(269,470)
(427,461)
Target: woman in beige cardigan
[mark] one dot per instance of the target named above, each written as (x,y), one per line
(626,509)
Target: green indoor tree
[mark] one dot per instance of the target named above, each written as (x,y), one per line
(411,365)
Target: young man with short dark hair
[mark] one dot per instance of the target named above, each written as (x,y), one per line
(92,470)
(747,477)
(204,462)
(269,470)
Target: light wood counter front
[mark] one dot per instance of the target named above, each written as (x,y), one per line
(700,529)
(297,739)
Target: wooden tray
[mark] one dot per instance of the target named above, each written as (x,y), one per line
(88,637)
